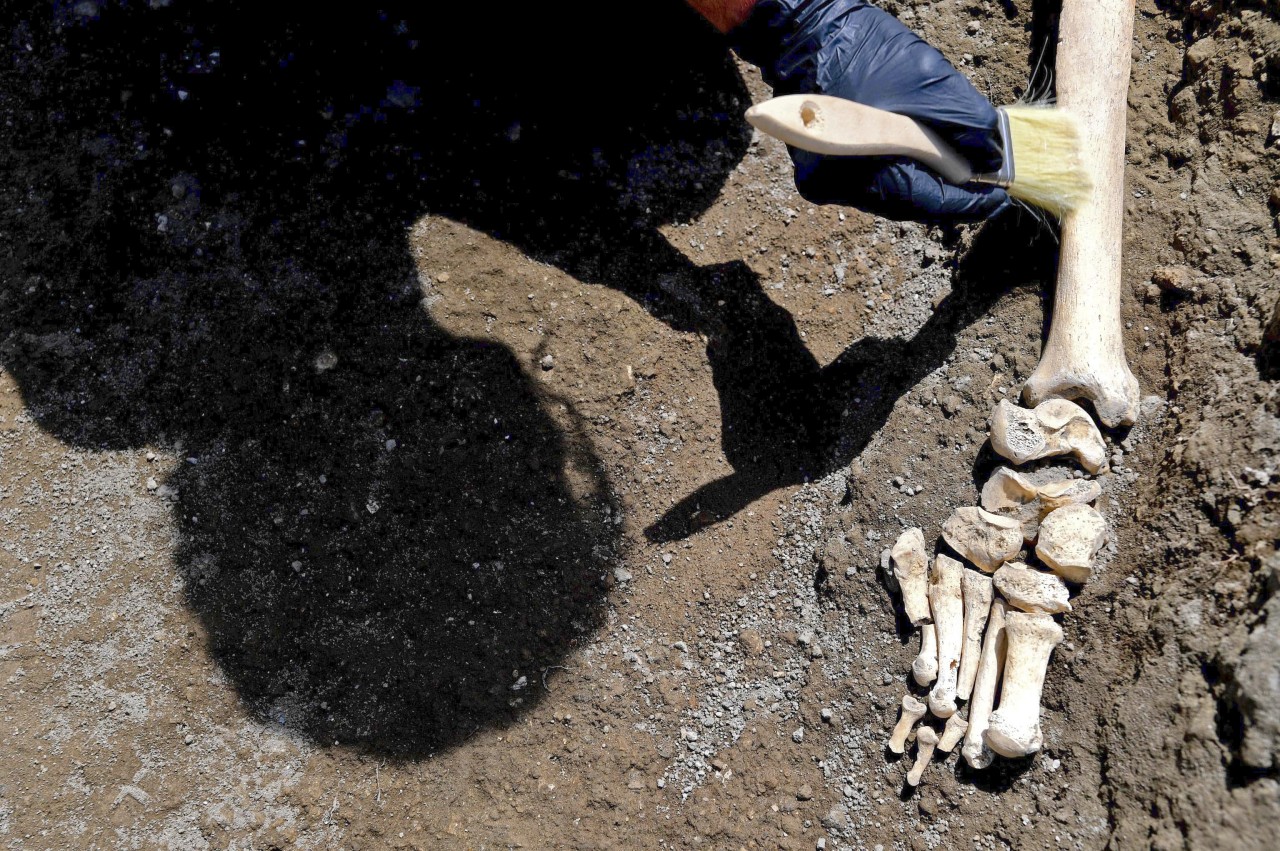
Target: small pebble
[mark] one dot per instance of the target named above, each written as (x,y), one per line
(826,715)
(798,735)
(805,793)
(622,574)
(548,363)
(666,558)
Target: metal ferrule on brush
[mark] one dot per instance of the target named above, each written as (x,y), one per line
(1003,177)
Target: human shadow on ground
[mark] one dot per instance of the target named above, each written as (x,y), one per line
(203,247)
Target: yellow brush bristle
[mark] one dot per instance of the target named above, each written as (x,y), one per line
(1048,172)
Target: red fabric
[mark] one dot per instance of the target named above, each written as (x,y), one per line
(724,14)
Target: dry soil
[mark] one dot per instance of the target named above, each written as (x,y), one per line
(429,429)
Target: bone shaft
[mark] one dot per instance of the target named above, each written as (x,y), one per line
(983,696)
(977,607)
(1094,45)
(1026,663)
(898,739)
(948,618)
(952,734)
(924,752)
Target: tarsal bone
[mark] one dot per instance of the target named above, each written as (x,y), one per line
(988,540)
(1032,590)
(1070,538)
(1017,496)
(1054,427)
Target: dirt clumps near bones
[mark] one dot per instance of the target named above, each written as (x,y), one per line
(305,546)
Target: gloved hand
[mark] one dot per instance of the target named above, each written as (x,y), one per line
(850,49)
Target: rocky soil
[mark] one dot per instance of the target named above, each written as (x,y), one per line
(428,431)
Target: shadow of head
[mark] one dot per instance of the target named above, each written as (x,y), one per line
(386,532)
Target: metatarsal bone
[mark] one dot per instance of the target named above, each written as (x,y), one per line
(912,711)
(1055,427)
(1014,729)
(1070,537)
(988,540)
(948,619)
(925,667)
(911,569)
(975,588)
(983,697)
(926,741)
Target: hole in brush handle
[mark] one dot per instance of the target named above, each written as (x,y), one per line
(811,115)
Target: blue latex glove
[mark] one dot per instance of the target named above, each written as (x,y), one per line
(853,50)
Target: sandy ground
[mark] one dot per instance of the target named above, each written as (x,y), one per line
(428,432)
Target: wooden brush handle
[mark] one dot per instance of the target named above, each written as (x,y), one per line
(830,125)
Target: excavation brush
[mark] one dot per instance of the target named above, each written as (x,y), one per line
(1041,144)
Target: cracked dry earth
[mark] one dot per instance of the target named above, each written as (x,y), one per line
(423,432)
